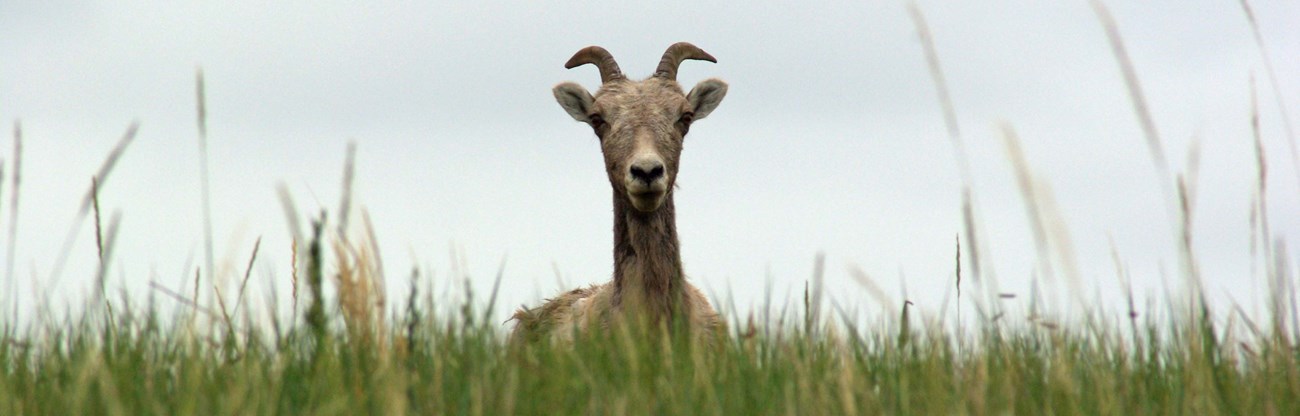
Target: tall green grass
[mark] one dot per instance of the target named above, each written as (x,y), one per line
(457,361)
(355,353)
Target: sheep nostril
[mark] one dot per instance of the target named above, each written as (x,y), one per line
(647,172)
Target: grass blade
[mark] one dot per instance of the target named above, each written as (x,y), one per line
(345,203)
(1134,90)
(1272,80)
(101,178)
(248,271)
(204,188)
(13,204)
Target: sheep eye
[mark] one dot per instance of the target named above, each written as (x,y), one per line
(597,123)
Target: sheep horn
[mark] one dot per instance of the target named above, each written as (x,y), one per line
(674,56)
(597,55)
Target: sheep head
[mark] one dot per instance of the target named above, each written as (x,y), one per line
(641,124)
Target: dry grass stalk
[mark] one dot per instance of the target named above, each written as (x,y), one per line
(248,272)
(102,177)
(345,202)
(1028,192)
(293,248)
(195,299)
(204,189)
(1259,213)
(373,244)
(359,296)
(1276,271)
(104,243)
(954,135)
(940,84)
(972,236)
(221,303)
(1134,89)
(863,279)
(1185,238)
(99,236)
(13,202)
(1126,284)
(110,237)
(104,249)
(1186,186)
(496,287)
(818,288)
(296,236)
(1051,238)
(1283,113)
(181,298)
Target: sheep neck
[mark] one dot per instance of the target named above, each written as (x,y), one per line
(647,261)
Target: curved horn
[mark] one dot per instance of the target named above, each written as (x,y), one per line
(597,55)
(674,56)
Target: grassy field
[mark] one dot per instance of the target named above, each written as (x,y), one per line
(347,358)
(346,350)
(349,353)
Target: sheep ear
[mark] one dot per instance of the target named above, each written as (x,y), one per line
(706,96)
(575,100)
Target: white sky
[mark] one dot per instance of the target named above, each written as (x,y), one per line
(830,139)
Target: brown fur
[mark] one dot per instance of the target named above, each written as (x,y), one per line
(641,124)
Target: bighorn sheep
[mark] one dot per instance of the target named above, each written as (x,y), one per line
(640,125)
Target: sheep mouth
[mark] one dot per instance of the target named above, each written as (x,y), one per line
(647,201)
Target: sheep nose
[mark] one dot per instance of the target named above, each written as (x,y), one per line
(647,170)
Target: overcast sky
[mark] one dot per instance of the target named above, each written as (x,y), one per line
(831,138)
